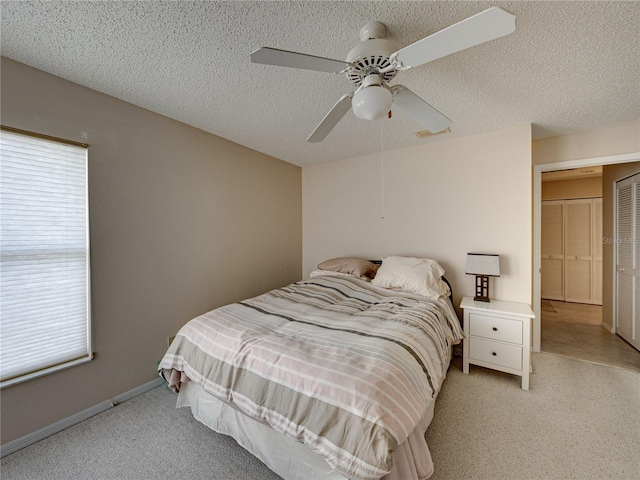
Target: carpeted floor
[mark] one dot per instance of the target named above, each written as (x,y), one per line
(579,420)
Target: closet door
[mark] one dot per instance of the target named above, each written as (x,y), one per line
(552,255)
(578,250)
(635,341)
(628,259)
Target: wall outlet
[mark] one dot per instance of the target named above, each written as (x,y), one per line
(170,340)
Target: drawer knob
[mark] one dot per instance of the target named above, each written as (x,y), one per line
(494,354)
(495,329)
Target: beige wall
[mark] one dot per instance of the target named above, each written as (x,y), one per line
(567,189)
(181,221)
(598,143)
(610,175)
(441,200)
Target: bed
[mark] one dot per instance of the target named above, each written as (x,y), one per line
(328,378)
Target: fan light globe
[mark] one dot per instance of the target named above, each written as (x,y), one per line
(371,103)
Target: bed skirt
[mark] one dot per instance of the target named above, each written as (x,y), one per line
(289,458)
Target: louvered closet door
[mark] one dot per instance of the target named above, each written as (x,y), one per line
(552,254)
(635,316)
(628,259)
(578,251)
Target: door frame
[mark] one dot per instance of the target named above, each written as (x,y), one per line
(537,220)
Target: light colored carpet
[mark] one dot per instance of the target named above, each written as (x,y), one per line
(579,420)
(144,438)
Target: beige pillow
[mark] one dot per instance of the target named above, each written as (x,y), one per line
(418,275)
(329,273)
(358,267)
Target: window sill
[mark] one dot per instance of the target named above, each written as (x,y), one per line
(56,368)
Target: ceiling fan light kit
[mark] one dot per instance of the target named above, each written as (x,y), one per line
(372,101)
(374,62)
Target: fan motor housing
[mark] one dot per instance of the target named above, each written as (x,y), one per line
(371,56)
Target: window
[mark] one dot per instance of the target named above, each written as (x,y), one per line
(44,256)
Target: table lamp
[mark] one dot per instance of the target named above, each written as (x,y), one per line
(483,266)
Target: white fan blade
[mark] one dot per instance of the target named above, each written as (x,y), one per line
(284,58)
(331,119)
(419,110)
(484,26)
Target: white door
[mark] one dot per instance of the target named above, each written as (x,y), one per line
(628,259)
(578,251)
(552,255)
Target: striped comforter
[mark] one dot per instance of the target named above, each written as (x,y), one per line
(334,362)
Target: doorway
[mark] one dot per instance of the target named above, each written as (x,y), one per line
(571,261)
(537,208)
(571,265)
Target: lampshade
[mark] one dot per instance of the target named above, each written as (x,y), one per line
(483,264)
(371,103)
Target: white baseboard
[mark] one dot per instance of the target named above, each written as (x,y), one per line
(45,432)
(608,327)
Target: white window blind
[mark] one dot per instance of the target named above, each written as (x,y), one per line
(44,267)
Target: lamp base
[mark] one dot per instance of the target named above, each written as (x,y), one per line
(481,299)
(482,289)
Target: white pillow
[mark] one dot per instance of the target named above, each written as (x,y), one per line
(418,275)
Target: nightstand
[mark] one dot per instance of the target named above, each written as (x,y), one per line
(498,336)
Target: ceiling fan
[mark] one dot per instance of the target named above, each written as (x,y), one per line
(374,62)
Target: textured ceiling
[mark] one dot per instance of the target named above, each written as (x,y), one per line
(569,66)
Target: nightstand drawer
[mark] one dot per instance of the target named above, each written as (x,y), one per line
(509,356)
(495,328)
